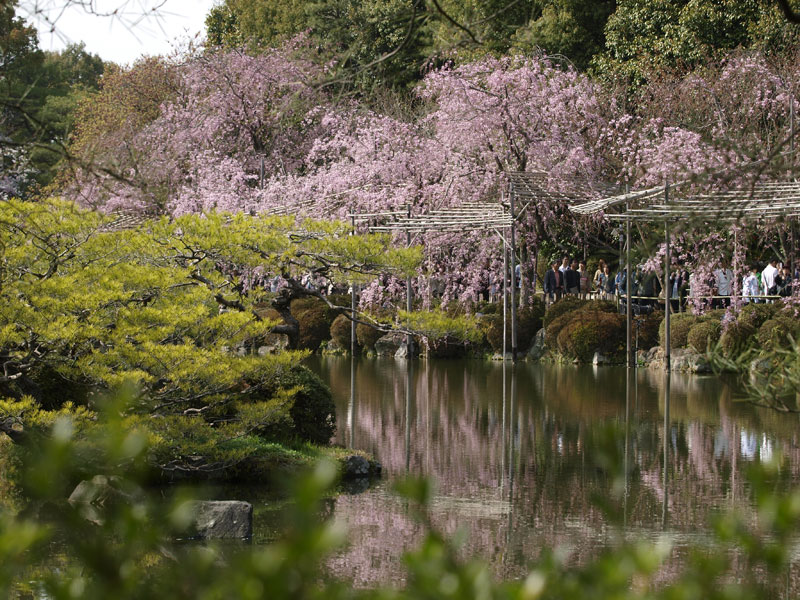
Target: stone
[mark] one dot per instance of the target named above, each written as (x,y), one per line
(274,343)
(90,496)
(402,352)
(389,344)
(599,359)
(539,347)
(102,490)
(223,520)
(355,466)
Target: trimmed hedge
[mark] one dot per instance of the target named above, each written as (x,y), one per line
(679,327)
(340,332)
(313,316)
(649,326)
(313,413)
(703,334)
(565,305)
(529,321)
(367,336)
(774,333)
(756,315)
(737,338)
(587,332)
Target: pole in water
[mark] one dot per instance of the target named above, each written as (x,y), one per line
(409,296)
(667,294)
(628,296)
(513,277)
(505,297)
(353,302)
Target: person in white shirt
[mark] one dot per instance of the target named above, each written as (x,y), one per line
(768,278)
(750,286)
(724,279)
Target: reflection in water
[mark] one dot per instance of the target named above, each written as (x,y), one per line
(513,452)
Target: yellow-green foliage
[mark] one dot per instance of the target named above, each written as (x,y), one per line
(703,335)
(439,325)
(30,415)
(102,308)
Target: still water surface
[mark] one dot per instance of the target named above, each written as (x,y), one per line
(520,453)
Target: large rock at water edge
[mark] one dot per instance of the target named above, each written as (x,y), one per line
(539,348)
(223,520)
(389,344)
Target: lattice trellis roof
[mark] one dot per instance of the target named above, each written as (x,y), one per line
(470,216)
(767,200)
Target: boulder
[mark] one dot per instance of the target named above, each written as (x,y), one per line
(356,466)
(538,348)
(273,343)
(103,491)
(389,344)
(91,496)
(689,361)
(223,520)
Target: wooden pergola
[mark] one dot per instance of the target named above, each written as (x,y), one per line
(762,201)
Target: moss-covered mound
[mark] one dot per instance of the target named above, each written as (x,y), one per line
(564,305)
(738,337)
(775,332)
(529,321)
(679,327)
(315,321)
(367,336)
(588,331)
(704,335)
(646,327)
(312,412)
(340,332)
(756,315)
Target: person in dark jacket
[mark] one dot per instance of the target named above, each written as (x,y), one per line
(572,279)
(553,284)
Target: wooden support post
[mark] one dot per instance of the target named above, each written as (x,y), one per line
(409,297)
(667,308)
(513,278)
(505,296)
(628,305)
(353,302)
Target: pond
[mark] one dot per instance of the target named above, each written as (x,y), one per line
(520,454)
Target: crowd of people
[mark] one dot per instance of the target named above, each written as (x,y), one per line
(570,277)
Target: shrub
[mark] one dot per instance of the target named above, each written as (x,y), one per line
(649,326)
(340,332)
(756,315)
(566,304)
(367,336)
(774,333)
(312,314)
(737,338)
(703,334)
(587,332)
(529,321)
(313,413)
(680,324)
(579,338)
